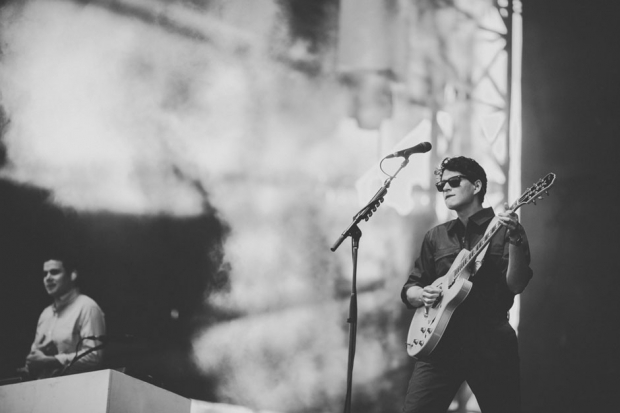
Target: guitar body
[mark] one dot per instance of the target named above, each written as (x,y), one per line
(429,323)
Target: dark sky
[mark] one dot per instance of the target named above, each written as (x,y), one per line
(139,270)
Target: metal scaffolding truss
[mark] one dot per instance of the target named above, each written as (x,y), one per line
(478,113)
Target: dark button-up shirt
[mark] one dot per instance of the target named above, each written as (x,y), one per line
(490,299)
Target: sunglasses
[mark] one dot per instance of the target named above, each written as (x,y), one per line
(454,182)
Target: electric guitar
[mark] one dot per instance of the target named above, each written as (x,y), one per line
(429,323)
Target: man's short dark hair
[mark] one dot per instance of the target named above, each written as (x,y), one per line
(467,167)
(67,262)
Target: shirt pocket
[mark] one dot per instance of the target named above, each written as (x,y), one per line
(444,258)
(497,253)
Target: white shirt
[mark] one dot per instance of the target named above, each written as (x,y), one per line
(60,327)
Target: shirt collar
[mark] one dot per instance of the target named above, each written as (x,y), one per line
(66,299)
(479,218)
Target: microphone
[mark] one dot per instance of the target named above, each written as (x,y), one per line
(105,339)
(419,148)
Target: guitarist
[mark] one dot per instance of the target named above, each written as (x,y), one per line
(479,345)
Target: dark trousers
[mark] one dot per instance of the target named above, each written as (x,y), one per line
(488,361)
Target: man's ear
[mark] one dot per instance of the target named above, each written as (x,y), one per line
(73,275)
(477,186)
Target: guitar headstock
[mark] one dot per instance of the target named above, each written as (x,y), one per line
(536,191)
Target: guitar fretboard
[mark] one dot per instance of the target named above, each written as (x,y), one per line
(469,259)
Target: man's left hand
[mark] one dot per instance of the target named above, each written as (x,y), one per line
(510,220)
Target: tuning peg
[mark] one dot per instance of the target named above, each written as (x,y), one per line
(534,201)
(540,197)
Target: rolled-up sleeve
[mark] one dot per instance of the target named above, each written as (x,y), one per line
(423,272)
(91,322)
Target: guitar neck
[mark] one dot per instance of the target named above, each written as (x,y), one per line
(469,259)
(479,246)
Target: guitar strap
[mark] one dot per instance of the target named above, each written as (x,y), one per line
(480,257)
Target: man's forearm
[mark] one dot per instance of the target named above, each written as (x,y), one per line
(518,273)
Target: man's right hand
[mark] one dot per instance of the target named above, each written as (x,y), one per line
(429,295)
(23,372)
(426,296)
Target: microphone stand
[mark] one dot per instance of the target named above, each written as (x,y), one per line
(354,232)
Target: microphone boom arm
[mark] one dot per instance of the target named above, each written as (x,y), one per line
(366,212)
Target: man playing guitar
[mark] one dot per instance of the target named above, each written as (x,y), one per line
(479,345)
